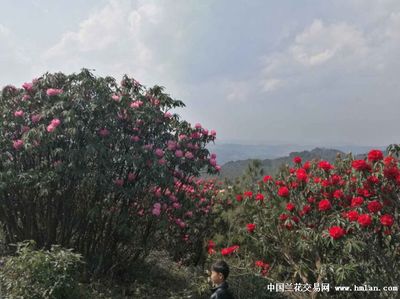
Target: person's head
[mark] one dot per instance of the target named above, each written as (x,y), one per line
(219,272)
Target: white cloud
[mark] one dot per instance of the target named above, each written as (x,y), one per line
(321,50)
(13,56)
(4,31)
(105,29)
(393,28)
(144,39)
(271,84)
(113,40)
(320,43)
(237,91)
(147,12)
(339,77)
(9,48)
(100,30)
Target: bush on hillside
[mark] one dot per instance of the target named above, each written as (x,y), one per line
(40,274)
(318,223)
(97,166)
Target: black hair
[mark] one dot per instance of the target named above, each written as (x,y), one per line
(221,267)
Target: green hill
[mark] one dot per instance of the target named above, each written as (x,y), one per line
(234,169)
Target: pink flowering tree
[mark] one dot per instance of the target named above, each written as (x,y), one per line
(95,165)
(191,220)
(318,222)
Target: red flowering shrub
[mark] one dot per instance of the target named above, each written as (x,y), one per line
(323,223)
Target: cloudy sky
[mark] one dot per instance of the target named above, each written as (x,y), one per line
(299,71)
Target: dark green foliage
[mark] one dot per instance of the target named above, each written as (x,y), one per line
(39,274)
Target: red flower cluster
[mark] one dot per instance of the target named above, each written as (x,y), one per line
(283,217)
(357,201)
(364,220)
(392,172)
(248,193)
(336,232)
(306,209)
(297,160)
(375,155)
(387,220)
(250,227)
(290,207)
(361,165)
(224,251)
(267,178)
(283,192)
(373,179)
(374,206)
(210,247)
(338,194)
(229,250)
(324,205)
(352,215)
(263,266)
(301,175)
(325,165)
(260,196)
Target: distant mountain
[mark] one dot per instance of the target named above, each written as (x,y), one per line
(234,169)
(227,152)
(232,152)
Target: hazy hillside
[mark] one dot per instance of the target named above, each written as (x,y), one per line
(234,169)
(233,152)
(227,152)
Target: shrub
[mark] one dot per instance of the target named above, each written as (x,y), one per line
(319,223)
(39,274)
(201,207)
(94,165)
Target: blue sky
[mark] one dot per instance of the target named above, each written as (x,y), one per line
(305,72)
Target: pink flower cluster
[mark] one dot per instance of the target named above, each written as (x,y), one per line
(54,92)
(156,209)
(53,125)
